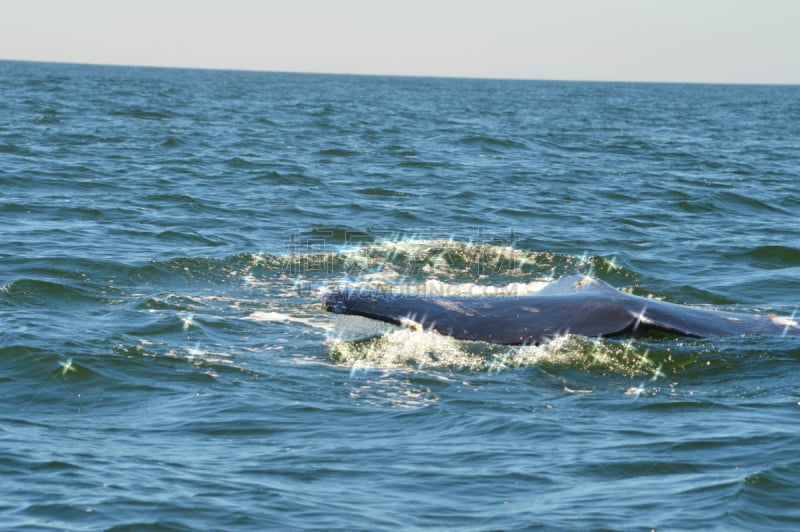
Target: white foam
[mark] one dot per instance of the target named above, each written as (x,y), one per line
(279,317)
(784,321)
(348,328)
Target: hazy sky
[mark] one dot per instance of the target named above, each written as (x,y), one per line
(740,41)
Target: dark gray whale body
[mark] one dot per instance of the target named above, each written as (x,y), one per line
(572,305)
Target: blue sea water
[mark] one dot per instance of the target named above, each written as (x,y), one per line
(166,364)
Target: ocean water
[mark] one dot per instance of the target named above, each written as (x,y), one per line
(166,364)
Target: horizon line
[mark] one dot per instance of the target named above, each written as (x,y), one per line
(408,76)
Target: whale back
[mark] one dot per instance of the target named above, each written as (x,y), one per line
(572,305)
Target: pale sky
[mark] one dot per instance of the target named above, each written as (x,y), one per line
(724,41)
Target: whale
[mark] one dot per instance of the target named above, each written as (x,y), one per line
(572,305)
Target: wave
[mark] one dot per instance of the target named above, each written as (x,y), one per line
(383,192)
(337,152)
(39,292)
(493,142)
(768,257)
(142,113)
